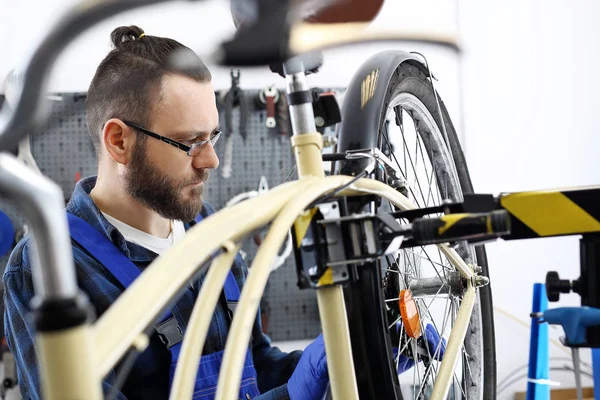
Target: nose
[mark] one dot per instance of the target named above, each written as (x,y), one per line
(207,158)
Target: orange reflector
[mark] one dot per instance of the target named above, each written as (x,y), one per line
(410,314)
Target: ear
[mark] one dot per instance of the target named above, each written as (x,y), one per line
(118,140)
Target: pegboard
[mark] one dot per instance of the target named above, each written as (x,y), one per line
(63,151)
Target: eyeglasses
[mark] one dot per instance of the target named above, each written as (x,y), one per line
(192,150)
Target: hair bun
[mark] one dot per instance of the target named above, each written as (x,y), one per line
(125,34)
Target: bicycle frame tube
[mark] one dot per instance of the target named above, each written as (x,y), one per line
(455,342)
(68,364)
(42,203)
(308,145)
(148,295)
(340,368)
(199,323)
(62,338)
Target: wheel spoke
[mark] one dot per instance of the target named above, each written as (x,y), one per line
(428,368)
(412,166)
(387,139)
(430,177)
(397,360)
(451,267)
(416,367)
(394,324)
(402,275)
(428,259)
(445,279)
(436,296)
(390,270)
(433,181)
(402,171)
(459,385)
(467,365)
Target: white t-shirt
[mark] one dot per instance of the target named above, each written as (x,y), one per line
(154,243)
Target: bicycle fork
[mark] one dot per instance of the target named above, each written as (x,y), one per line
(307,144)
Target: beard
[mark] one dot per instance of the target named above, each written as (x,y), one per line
(160,193)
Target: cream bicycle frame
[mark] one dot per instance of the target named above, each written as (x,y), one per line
(100,345)
(73,361)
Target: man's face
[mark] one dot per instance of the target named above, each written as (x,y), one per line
(165,178)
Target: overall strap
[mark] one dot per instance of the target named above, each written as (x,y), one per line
(121,267)
(103,250)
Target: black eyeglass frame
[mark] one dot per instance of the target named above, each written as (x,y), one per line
(188,149)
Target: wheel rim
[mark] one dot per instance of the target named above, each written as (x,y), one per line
(425,162)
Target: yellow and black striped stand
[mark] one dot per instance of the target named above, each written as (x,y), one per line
(553,212)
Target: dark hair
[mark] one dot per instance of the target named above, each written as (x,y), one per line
(127,83)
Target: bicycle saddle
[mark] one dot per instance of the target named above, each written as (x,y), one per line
(312,11)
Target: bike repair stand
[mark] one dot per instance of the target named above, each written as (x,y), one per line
(538,387)
(580,324)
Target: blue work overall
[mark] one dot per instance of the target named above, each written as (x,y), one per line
(169,330)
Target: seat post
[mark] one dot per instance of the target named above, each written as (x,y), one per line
(300,98)
(306,141)
(302,115)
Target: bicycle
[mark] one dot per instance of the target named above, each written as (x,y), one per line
(66,339)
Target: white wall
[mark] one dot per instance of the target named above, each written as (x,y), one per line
(530,95)
(528,83)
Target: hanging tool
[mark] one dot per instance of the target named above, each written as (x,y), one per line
(283,117)
(234,97)
(269,97)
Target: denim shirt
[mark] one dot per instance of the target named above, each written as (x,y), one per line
(273,367)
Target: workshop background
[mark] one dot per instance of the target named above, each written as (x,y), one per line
(523,96)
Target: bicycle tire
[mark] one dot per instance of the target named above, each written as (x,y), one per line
(397,73)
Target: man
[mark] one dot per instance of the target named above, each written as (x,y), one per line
(146,194)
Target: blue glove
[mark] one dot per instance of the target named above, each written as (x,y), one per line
(310,379)
(432,339)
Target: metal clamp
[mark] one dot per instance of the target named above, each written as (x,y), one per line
(169,332)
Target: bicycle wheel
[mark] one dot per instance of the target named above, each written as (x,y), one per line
(391,105)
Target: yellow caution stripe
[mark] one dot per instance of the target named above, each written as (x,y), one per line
(549,213)
(326,279)
(449,221)
(302,223)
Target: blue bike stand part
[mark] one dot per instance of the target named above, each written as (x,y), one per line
(596,369)
(574,320)
(539,359)
(7,234)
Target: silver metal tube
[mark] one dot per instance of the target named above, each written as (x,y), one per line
(302,116)
(576,370)
(28,111)
(431,286)
(428,287)
(42,202)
